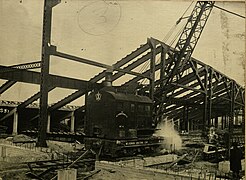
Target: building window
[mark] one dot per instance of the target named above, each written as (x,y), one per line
(140,108)
(132,107)
(147,109)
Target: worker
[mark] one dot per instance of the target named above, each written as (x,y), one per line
(235,160)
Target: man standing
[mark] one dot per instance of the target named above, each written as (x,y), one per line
(235,160)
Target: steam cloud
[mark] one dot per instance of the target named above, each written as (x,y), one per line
(172,140)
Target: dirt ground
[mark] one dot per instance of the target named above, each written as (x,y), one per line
(16,166)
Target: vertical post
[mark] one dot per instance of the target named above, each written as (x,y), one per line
(216,122)
(205,112)
(222,122)
(48,124)
(15,123)
(72,122)
(44,86)
(152,44)
(184,118)
(210,94)
(187,124)
(236,117)
(243,120)
(86,122)
(243,113)
(226,123)
(232,109)
(191,125)
(178,129)
(163,65)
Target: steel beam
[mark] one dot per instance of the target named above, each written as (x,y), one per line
(123,61)
(32,99)
(97,64)
(30,65)
(6,86)
(101,75)
(9,114)
(67,100)
(32,77)
(78,94)
(136,63)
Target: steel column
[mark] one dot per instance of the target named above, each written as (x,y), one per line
(187,119)
(232,107)
(44,88)
(243,120)
(231,115)
(205,112)
(152,67)
(209,96)
(163,65)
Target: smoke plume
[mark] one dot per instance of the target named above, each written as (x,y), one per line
(172,140)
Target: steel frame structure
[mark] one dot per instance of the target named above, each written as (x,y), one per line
(180,85)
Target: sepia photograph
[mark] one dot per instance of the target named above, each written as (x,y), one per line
(122,89)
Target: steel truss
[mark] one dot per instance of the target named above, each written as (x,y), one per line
(204,91)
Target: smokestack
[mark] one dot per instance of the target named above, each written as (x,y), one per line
(108,78)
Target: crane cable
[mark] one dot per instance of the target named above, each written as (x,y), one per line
(229,11)
(178,33)
(170,32)
(165,39)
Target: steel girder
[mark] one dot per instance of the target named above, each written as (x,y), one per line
(142,49)
(9,83)
(20,75)
(24,104)
(198,83)
(6,86)
(30,65)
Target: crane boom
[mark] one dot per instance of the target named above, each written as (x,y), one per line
(182,51)
(189,37)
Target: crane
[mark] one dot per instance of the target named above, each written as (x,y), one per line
(189,38)
(182,52)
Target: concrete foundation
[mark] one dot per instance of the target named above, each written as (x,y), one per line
(15,123)
(72,122)
(67,174)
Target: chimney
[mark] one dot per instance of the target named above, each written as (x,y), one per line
(108,78)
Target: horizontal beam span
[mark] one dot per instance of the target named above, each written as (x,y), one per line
(30,65)
(54,80)
(97,64)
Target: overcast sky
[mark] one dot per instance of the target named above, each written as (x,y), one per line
(108,31)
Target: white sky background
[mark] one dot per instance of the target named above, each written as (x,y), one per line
(78,29)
